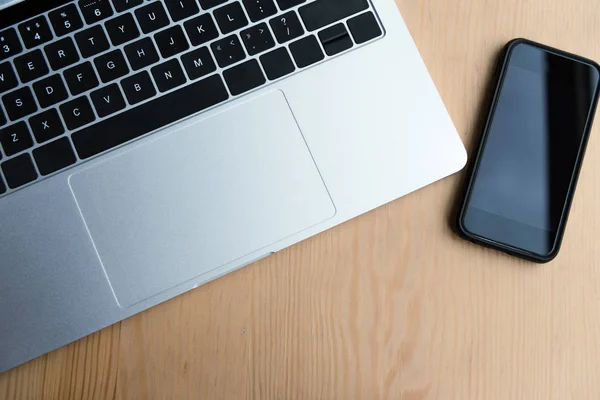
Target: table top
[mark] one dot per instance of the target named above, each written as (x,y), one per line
(391,305)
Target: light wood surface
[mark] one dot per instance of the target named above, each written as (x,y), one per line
(391,305)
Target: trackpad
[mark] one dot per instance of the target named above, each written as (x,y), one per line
(216,190)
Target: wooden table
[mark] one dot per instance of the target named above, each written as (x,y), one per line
(391,305)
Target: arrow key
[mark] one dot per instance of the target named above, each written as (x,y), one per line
(228,51)
(257,39)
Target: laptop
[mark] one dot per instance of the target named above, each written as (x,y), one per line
(150,146)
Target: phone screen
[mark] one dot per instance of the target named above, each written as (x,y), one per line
(531,149)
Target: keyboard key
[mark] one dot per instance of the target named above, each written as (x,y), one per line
(198,63)
(257,39)
(81,78)
(19,103)
(138,88)
(286,27)
(277,63)
(182,9)
(244,77)
(201,29)
(171,41)
(2,186)
(152,17)
(320,13)
(168,75)
(228,51)
(111,66)
(122,29)
(285,4)
(122,5)
(9,44)
(19,171)
(54,156)
(2,120)
(15,138)
(50,91)
(95,10)
(8,78)
(306,51)
(77,113)
(35,32)
(150,116)
(141,53)
(335,39)
(31,66)
(108,100)
(46,125)
(92,41)
(259,9)
(62,53)
(364,28)
(230,17)
(206,4)
(65,20)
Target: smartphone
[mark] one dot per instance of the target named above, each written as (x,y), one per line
(526,169)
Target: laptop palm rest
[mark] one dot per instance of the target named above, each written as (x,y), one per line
(213,191)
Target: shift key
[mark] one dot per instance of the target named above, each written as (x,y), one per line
(321,13)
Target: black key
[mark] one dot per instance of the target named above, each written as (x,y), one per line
(320,13)
(2,120)
(8,79)
(9,44)
(95,10)
(171,41)
(19,103)
(111,66)
(285,4)
(54,156)
(152,17)
(19,171)
(335,39)
(141,53)
(364,28)
(122,29)
(92,41)
(230,17)
(77,112)
(201,29)
(122,5)
(62,53)
(149,116)
(286,27)
(108,100)
(198,63)
(46,125)
(138,87)
(259,9)
(182,9)
(277,63)
(81,78)
(15,138)
(257,39)
(35,32)
(228,51)
(244,77)
(168,75)
(206,4)
(50,91)
(2,187)
(306,51)
(65,20)
(31,66)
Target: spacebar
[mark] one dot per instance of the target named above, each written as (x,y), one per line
(324,12)
(149,117)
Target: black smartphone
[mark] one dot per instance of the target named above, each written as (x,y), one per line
(528,162)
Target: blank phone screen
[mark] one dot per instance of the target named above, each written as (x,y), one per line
(531,149)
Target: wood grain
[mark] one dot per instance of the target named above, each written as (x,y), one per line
(390,305)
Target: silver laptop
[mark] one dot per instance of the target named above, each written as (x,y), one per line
(148,147)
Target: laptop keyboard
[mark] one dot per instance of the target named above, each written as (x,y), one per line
(92,75)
